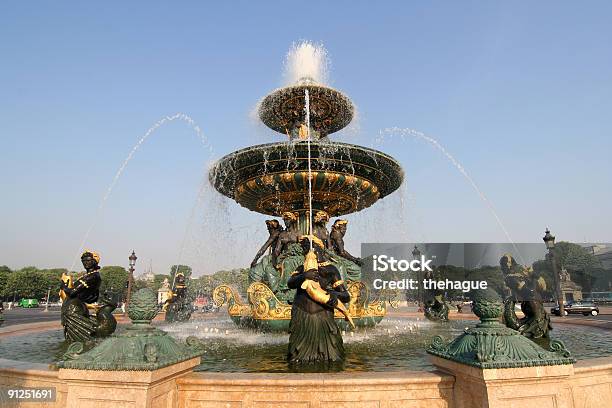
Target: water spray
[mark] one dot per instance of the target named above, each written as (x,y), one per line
(307,108)
(109,190)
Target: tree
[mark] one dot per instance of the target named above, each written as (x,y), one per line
(28,282)
(158,280)
(186,270)
(5,272)
(578,261)
(114,279)
(53,277)
(140,284)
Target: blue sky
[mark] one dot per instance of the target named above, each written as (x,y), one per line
(518,92)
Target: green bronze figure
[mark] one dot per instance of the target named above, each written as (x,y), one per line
(524,286)
(265,270)
(349,265)
(274,229)
(314,336)
(180,302)
(286,238)
(319,224)
(435,307)
(82,296)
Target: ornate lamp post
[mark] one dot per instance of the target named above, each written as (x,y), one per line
(549,240)
(132,259)
(416,254)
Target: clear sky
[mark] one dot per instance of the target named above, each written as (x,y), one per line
(519,92)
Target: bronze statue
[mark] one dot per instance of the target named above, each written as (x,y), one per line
(319,227)
(349,265)
(274,229)
(524,286)
(288,236)
(435,307)
(337,241)
(314,336)
(265,270)
(82,295)
(179,303)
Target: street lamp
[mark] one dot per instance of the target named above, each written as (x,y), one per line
(132,259)
(416,254)
(549,240)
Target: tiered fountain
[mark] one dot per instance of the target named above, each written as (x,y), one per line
(273,179)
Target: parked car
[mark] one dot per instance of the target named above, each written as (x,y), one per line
(28,303)
(578,307)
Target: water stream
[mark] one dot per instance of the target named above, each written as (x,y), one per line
(403,132)
(178,116)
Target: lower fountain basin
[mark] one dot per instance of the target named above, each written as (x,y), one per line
(396,344)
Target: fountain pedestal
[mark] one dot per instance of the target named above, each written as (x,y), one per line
(136,368)
(495,366)
(524,387)
(138,389)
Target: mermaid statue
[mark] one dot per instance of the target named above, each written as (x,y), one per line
(179,304)
(80,297)
(525,286)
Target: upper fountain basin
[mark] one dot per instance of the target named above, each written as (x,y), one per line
(273,178)
(284,109)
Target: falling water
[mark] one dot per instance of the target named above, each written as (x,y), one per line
(403,132)
(307,108)
(109,190)
(190,221)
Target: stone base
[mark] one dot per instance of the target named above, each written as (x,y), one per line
(138,389)
(525,387)
(408,389)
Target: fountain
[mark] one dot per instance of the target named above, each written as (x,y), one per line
(308,173)
(306,180)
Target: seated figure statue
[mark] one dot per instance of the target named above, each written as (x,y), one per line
(435,307)
(522,285)
(265,270)
(78,324)
(287,256)
(180,302)
(348,265)
(319,227)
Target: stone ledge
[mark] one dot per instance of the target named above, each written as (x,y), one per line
(501,374)
(327,379)
(600,363)
(127,377)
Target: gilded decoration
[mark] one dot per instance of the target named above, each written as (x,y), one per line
(263,305)
(330,110)
(333,192)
